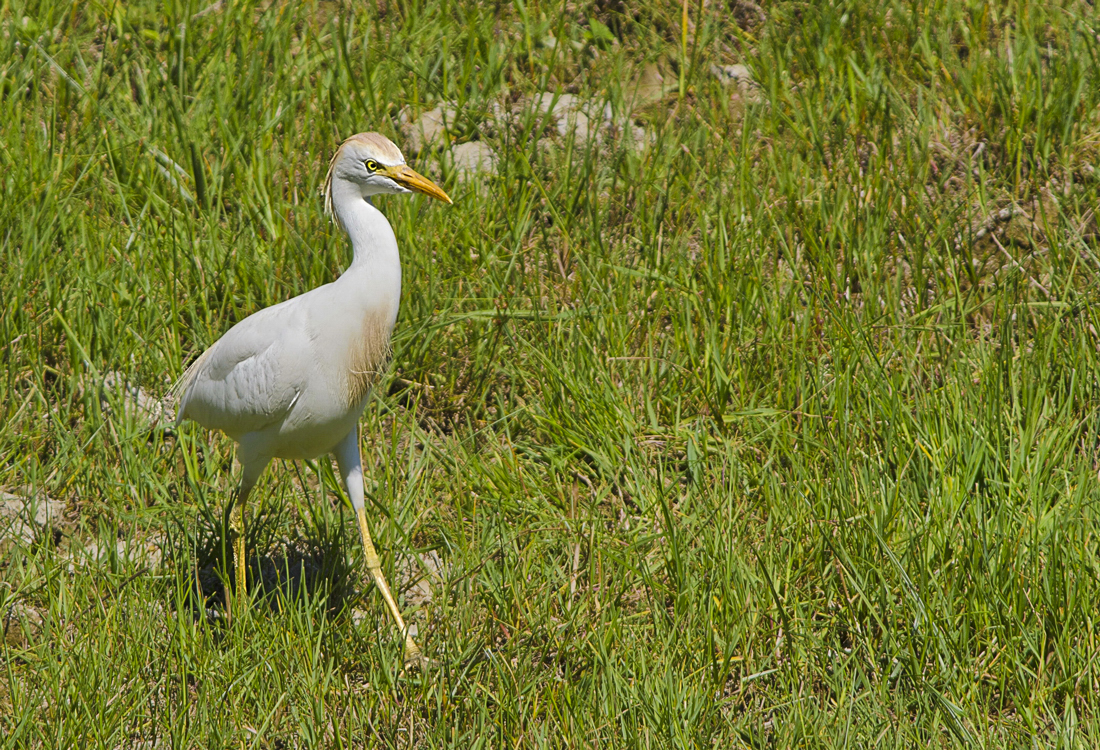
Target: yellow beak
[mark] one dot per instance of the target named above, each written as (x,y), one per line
(418,183)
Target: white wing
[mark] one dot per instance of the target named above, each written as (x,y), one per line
(252,376)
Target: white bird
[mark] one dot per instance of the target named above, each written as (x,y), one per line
(291,381)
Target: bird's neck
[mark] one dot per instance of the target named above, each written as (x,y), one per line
(373,243)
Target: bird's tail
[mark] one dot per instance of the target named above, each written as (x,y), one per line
(177,394)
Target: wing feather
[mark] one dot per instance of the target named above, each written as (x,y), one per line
(250,378)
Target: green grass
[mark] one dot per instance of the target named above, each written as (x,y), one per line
(781,432)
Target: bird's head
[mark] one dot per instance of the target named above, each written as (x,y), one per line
(371,162)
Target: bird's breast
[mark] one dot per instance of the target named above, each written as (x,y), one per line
(367,354)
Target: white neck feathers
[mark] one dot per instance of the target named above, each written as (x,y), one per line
(372,238)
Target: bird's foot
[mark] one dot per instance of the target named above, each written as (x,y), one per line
(415,660)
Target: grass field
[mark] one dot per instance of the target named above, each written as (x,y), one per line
(767,417)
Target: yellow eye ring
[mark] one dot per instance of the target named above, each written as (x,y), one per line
(372,165)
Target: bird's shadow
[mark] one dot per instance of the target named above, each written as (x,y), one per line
(285,564)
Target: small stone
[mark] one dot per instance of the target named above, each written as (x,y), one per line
(135,402)
(576,122)
(433,563)
(138,552)
(473,158)
(568,115)
(738,74)
(631,136)
(416,575)
(565,104)
(553,104)
(23,516)
(429,130)
(648,87)
(640,137)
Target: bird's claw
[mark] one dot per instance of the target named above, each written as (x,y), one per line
(415,661)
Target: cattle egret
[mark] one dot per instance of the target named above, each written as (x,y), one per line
(291,381)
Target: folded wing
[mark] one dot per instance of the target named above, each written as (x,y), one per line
(251,378)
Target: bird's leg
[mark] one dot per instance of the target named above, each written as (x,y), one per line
(236,533)
(351,468)
(236,529)
(374,565)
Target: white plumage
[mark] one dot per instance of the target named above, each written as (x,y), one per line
(290,381)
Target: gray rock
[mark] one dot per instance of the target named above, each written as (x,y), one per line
(578,124)
(473,158)
(133,401)
(23,516)
(648,87)
(730,74)
(135,550)
(569,114)
(430,130)
(556,105)
(417,574)
(738,77)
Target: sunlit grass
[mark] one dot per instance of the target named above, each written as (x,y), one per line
(778,431)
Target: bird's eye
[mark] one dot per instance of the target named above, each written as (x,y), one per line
(372,165)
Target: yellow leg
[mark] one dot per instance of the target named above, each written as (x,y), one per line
(374,565)
(236,530)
